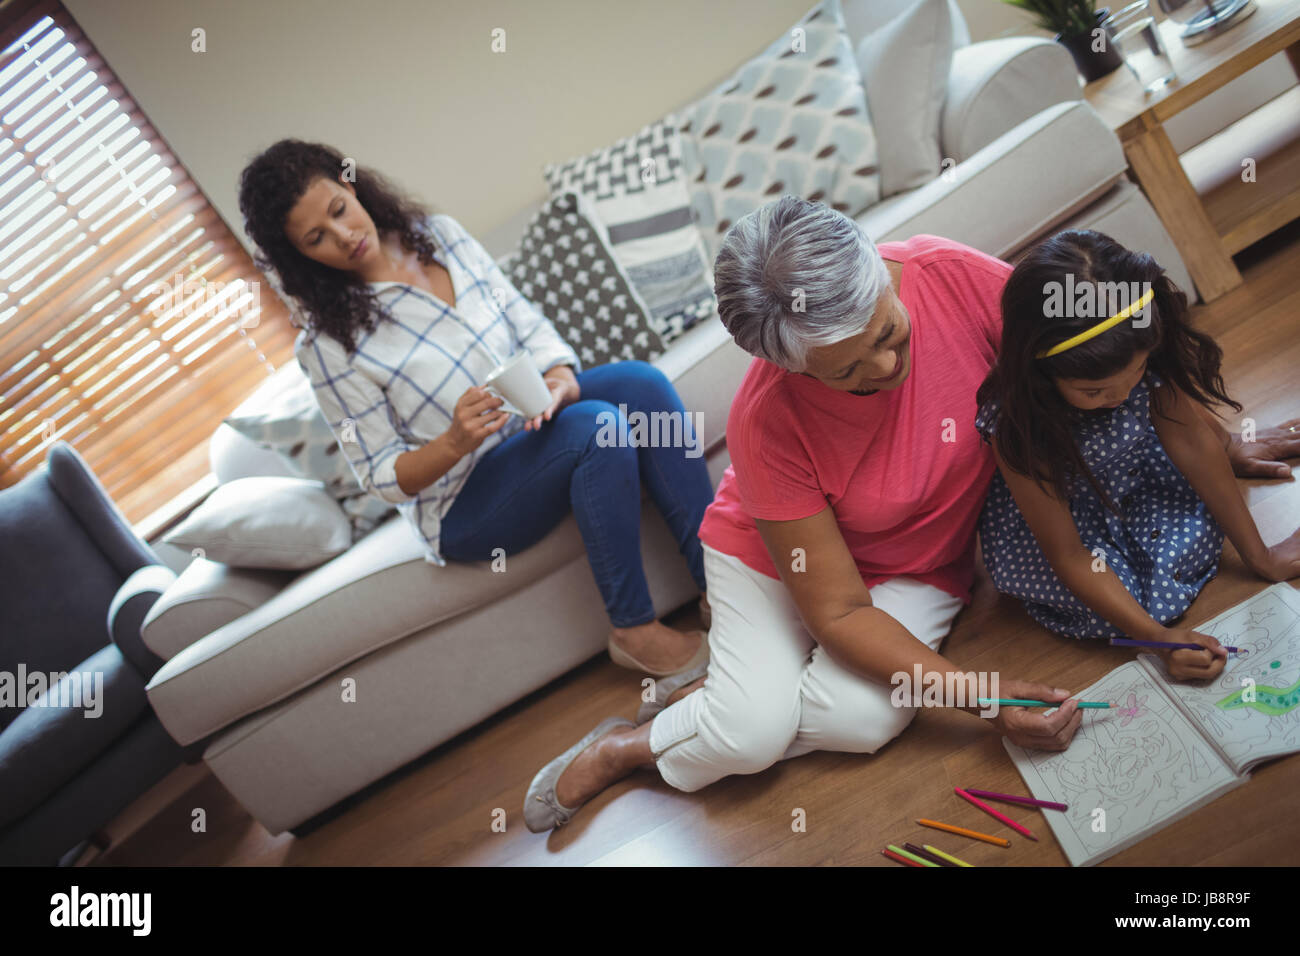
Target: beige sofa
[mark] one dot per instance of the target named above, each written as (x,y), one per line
(256,660)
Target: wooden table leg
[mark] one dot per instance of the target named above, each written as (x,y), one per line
(1156,167)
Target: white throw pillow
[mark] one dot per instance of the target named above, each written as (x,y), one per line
(265,522)
(905,66)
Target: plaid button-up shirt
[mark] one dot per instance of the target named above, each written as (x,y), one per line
(399,389)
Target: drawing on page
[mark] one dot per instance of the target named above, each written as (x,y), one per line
(1255,703)
(1133,761)
(1131,709)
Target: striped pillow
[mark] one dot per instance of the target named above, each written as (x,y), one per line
(642,206)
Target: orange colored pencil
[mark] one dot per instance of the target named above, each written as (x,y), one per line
(993,813)
(901,859)
(962,831)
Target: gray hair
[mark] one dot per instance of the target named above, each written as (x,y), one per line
(793,275)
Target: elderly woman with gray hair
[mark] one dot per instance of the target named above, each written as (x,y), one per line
(840,544)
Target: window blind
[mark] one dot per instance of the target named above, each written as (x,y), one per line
(131,318)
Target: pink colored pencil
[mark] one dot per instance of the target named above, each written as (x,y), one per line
(1027,801)
(993,813)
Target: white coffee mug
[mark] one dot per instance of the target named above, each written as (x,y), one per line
(520,386)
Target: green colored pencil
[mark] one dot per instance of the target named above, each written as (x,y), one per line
(1015,702)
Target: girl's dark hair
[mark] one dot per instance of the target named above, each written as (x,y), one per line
(334,301)
(1033,420)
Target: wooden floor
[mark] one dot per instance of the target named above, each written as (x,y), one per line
(440,809)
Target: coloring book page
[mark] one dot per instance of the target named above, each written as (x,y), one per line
(1252,709)
(1129,770)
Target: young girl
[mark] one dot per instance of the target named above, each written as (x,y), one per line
(1114,489)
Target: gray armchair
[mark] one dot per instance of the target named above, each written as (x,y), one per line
(75,585)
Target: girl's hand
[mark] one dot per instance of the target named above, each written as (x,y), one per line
(564,392)
(1280,562)
(1192,665)
(477,415)
(1033,729)
(1263,458)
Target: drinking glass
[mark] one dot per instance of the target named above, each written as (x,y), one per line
(1133,31)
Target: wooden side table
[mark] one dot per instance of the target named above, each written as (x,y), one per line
(1138,118)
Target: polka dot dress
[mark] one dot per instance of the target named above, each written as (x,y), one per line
(1163,545)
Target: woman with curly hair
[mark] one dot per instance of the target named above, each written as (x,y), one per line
(406,315)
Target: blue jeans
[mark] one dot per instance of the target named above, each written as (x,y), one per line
(522,488)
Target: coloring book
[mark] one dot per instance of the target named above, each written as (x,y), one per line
(1167,747)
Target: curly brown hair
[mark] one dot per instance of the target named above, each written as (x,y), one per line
(334,301)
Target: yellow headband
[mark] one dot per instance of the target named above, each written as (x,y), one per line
(1100,327)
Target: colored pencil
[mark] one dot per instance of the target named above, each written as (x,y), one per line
(900,859)
(1027,801)
(994,814)
(947,856)
(1015,702)
(962,831)
(915,850)
(1125,642)
(901,852)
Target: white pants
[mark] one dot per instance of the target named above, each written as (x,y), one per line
(772,692)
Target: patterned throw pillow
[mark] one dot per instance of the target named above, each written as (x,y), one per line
(292,424)
(793,120)
(564,268)
(640,202)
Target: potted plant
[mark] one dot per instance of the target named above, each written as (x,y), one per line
(1074,23)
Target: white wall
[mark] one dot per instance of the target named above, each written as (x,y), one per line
(412,88)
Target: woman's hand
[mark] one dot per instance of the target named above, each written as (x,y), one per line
(564,391)
(477,415)
(1192,665)
(1263,457)
(1280,562)
(1033,729)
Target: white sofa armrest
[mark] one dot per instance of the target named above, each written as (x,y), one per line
(1039,163)
(207,595)
(995,85)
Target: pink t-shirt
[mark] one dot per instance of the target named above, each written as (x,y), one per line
(904,470)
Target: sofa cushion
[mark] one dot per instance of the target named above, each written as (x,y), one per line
(793,120)
(639,199)
(1040,162)
(567,270)
(266,522)
(904,68)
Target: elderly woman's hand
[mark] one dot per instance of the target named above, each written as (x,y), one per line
(564,391)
